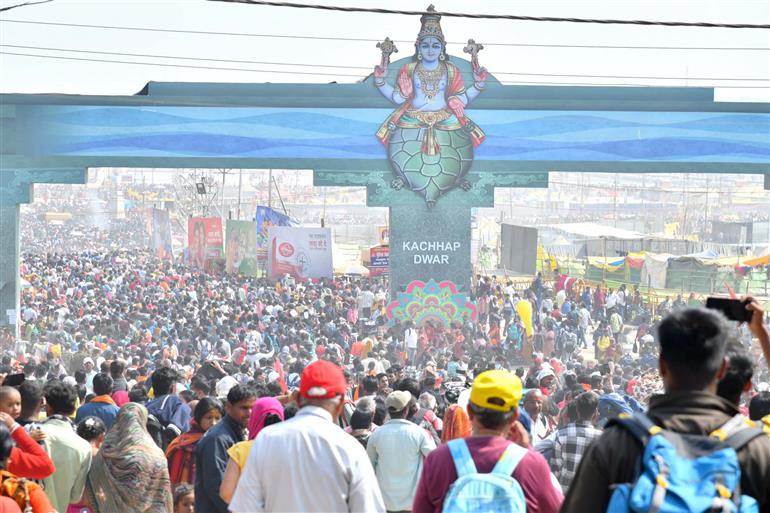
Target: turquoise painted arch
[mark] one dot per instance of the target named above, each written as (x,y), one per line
(332,127)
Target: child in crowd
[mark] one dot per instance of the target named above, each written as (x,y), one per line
(184,499)
(92,430)
(28,497)
(10,403)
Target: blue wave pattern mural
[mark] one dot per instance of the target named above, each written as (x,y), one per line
(349,133)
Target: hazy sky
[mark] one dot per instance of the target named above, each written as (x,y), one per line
(24,74)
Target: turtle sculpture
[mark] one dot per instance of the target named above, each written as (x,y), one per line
(429,138)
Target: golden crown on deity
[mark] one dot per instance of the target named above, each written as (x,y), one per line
(431,25)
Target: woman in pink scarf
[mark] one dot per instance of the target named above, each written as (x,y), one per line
(262,409)
(265,412)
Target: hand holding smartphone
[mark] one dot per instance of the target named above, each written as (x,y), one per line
(733,309)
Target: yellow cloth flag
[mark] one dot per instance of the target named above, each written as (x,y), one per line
(524,309)
(671,229)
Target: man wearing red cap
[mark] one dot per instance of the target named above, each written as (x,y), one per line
(308,463)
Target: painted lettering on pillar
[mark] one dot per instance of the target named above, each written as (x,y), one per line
(431,252)
(429,138)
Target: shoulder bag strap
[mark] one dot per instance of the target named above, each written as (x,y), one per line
(639,425)
(462,458)
(731,427)
(509,460)
(743,436)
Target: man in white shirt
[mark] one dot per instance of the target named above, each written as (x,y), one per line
(621,301)
(29,314)
(88,366)
(365,302)
(561,297)
(308,463)
(397,451)
(584,321)
(509,291)
(253,346)
(410,339)
(533,405)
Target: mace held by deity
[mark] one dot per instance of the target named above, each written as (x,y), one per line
(473,48)
(387,47)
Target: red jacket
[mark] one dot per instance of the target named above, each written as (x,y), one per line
(28,459)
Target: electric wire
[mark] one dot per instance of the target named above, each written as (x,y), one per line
(370,40)
(368,68)
(347,75)
(376,10)
(25,4)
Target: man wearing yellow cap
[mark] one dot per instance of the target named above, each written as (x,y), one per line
(493,409)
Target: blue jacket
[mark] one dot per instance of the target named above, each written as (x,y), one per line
(170,409)
(105,411)
(210,463)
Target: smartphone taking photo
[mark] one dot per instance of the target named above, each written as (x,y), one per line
(733,309)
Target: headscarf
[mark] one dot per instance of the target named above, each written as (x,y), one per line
(259,412)
(129,473)
(120,397)
(612,405)
(457,424)
(180,455)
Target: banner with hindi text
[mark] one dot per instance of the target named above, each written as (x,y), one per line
(204,239)
(379,260)
(303,253)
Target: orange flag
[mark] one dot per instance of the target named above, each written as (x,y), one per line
(281,375)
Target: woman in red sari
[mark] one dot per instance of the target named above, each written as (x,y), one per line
(181,451)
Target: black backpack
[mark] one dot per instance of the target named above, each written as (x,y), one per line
(162,433)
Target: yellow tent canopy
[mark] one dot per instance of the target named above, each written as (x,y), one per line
(761,260)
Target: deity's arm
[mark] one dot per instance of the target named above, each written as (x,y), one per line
(472,92)
(468,95)
(457,88)
(390,92)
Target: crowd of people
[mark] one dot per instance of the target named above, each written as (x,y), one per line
(145,385)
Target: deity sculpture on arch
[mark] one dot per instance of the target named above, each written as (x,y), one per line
(429,138)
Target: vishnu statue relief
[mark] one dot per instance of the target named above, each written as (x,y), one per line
(429,138)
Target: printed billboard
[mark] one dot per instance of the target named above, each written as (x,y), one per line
(265,218)
(204,239)
(161,233)
(241,248)
(379,260)
(383,234)
(300,252)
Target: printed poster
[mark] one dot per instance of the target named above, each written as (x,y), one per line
(204,239)
(265,218)
(303,253)
(241,248)
(161,233)
(379,260)
(383,233)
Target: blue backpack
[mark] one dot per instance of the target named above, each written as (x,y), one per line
(496,492)
(685,473)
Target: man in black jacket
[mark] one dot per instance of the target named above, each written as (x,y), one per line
(211,453)
(692,362)
(167,407)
